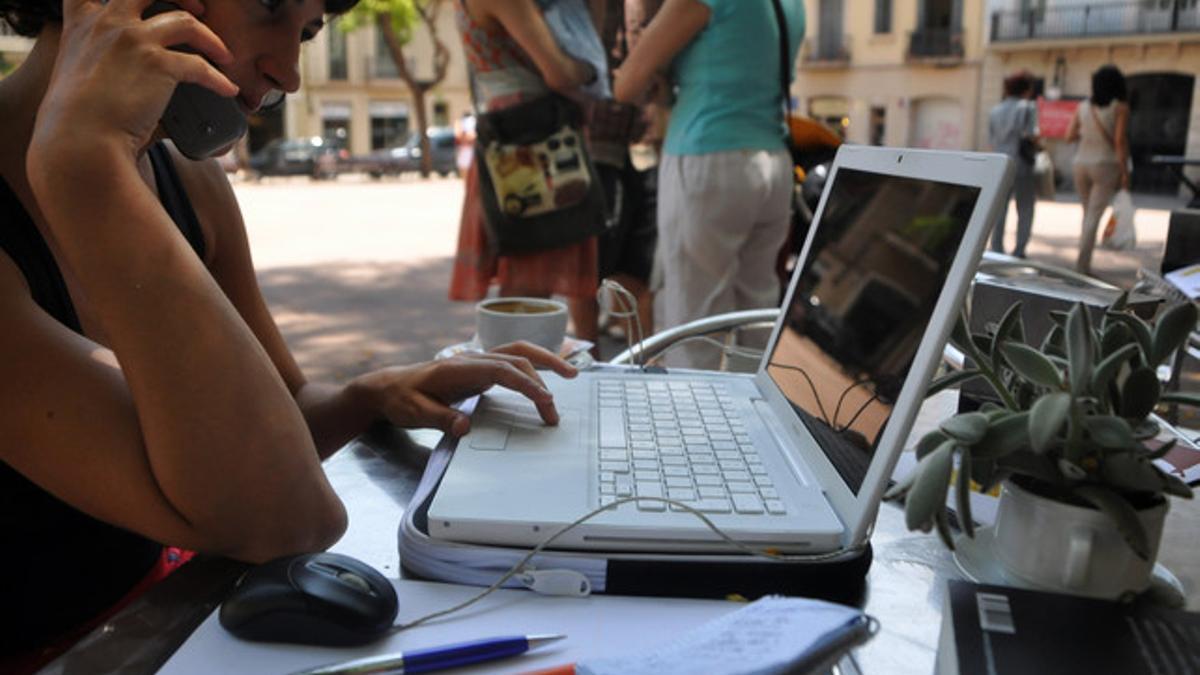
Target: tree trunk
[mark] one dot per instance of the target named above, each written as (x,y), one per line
(428,12)
(418,96)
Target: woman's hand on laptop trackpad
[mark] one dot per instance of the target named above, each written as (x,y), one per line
(421,395)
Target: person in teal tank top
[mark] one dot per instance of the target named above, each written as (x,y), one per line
(729,82)
(725,182)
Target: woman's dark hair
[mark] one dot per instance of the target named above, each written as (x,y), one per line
(1107,84)
(1018,83)
(27,17)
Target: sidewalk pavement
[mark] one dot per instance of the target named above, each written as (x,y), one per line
(356,272)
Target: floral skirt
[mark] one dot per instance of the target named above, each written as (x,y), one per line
(569,271)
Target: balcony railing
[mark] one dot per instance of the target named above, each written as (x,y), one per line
(827,49)
(1098,20)
(935,43)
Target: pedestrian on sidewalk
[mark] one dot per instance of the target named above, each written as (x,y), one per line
(1013,130)
(1101,126)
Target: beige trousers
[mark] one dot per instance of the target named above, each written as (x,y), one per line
(722,218)
(1096,185)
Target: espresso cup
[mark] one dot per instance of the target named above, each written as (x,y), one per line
(541,321)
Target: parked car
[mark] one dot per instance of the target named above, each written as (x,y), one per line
(315,156)
(407,157)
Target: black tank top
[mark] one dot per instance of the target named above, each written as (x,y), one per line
(61,567)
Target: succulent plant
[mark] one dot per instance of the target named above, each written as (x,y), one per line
(1073,418)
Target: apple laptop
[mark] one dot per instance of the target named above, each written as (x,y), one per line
(797,455)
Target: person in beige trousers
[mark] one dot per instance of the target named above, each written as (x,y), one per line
(1101,126)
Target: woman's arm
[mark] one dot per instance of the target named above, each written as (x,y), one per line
(523,20)
(675,25)
(1121,141)
(193,439)
(412,396)
(1073,128)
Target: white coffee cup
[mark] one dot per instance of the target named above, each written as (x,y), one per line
(541,321)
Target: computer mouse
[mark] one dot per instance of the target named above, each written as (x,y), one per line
(312,599)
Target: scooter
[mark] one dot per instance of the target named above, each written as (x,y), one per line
(813,148)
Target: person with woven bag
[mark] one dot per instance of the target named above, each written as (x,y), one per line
(1101,126)
(526,189)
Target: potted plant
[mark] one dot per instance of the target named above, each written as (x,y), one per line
(1082,503)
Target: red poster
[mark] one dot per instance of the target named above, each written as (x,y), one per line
(1054,117)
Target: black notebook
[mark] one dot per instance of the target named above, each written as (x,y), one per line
(1000,631)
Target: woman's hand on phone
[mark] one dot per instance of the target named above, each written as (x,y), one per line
(115,73)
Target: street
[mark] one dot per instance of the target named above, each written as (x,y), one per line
(356,271)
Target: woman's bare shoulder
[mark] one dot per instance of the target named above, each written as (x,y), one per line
(212,198)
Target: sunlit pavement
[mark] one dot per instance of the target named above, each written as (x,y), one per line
(356,271)
(1056,232)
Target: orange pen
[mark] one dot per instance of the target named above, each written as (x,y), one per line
(565,669)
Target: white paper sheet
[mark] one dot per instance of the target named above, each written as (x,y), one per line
(595,626)
(765,637)
(1186,279)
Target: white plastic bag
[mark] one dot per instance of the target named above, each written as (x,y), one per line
(1043,175)
(1119,234)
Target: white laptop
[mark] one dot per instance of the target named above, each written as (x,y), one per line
(796,456)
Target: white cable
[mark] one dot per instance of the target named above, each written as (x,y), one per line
(517,568)
(628,310)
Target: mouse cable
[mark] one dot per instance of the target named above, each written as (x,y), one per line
(519,567)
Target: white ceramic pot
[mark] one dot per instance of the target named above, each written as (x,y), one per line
(1072,549)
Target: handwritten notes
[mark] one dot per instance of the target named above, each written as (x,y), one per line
(771,635)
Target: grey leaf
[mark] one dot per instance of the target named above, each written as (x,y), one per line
(967,428)
(1046,419)
(1080,348)
(1172,329)
(928,493)
(1121,513)
(1031,364)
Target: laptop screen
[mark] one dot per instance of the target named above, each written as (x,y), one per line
(870,281)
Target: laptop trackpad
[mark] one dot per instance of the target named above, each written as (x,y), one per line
(507,420)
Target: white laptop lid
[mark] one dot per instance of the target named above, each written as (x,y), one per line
(896,240)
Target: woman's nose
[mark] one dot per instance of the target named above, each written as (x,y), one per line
(282,69)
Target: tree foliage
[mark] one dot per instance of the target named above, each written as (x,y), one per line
(398,22)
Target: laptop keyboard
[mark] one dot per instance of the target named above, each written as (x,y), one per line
(684,441)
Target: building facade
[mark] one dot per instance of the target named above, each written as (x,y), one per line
(351,88)
(1156,43)
(894,72)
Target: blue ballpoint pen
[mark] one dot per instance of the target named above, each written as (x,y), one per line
(437,658)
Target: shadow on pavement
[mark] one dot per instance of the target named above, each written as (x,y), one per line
(344,319)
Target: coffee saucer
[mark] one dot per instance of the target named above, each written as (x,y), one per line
(574,351)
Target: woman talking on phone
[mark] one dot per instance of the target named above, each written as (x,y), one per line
(147,399)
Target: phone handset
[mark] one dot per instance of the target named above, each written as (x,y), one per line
(198,120)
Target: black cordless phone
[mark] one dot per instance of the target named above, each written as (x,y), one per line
(197,119)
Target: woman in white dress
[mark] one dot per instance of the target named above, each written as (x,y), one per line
(1101,125)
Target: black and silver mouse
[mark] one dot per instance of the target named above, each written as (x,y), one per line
(311,599)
